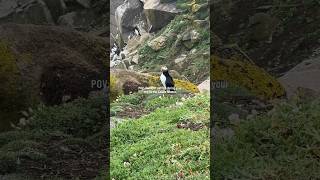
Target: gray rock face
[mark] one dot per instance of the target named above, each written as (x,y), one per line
(25,12)
(72,4)
(113,25)
(7,7)
(263,27)
(204,86)
(85,3)
(305,75)
(127,16)
(154,9)
(57,8)
(79,20)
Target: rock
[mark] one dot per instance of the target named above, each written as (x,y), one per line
(189,38)
(186,36)
(158,43)
(135,59)
(77,4)
(119,64)
(126,62)
(114,63)
(181,59)
(194,36)
(263,26)
(57,8)
(114,121)
(113,24)
(204,86)
(254,112)
(66,98)
(234,118)
(223,133)
(135,43)
(122,55)
(22,122)
(305,75)
(25,12)
(80,20)
(46,63)
(25,114)
(127,16)
(154,9)
(250,116)
(85,3)
(188,44)
(7,7)
(193,51)
(201,23)
(131,68)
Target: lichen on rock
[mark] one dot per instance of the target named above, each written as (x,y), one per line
(247,75)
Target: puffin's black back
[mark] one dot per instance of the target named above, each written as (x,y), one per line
(169,81)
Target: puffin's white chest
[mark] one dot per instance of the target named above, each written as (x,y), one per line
(163,80)
(136,32)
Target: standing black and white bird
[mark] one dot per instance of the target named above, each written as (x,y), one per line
(166,79)
(136,31)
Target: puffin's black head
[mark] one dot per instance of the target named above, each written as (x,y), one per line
(164,69)
(118,51)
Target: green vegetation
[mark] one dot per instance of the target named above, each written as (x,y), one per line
(283,144)
(80,118)
(70,128)
(10,95)
(161,101)
(184,36)
(154,147)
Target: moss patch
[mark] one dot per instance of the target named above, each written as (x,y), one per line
(247,75)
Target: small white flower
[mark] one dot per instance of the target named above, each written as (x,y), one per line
(126,164)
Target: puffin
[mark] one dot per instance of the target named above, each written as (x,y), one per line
(136,31)
(166,79)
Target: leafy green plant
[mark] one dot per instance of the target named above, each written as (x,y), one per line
(79,118)
(153,146)
(280,145)
(135,98)
(162,101)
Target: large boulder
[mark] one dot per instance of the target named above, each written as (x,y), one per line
(154,9)
(80,20)
(113,23)
(77,4)
(25,12)
(127,16)
(204,86)
(158,43)
(7,7)
(45,64)
(262,27)
(305,75)
(57,8)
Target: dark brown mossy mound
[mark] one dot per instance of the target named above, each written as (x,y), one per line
(45,64)
(64,142)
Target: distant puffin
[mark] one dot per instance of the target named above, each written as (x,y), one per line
(166,79)
(136,31)
(115,52)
